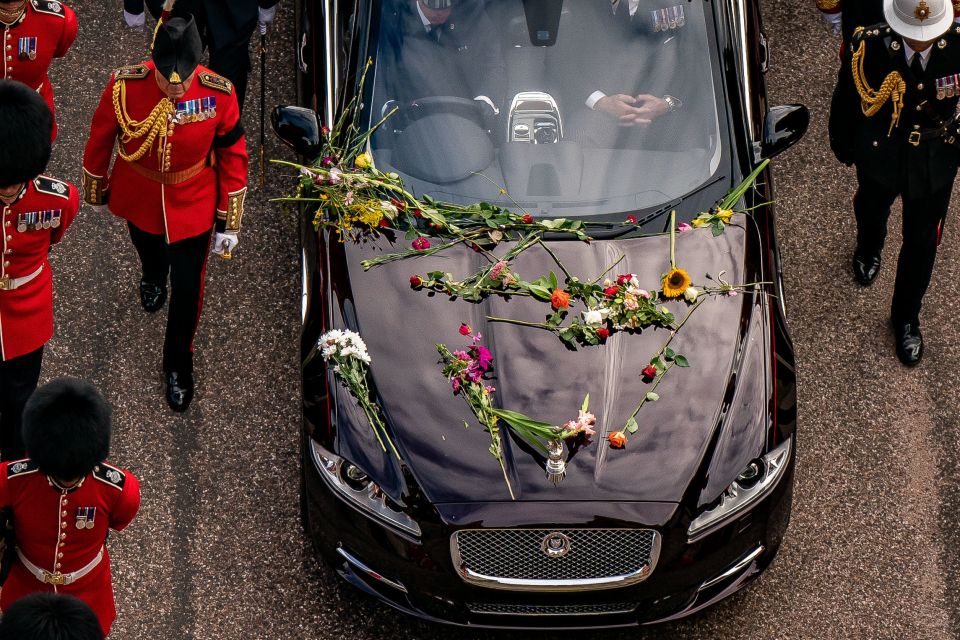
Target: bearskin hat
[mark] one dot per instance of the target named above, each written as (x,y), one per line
(66,428)
(42,616)
(26,125)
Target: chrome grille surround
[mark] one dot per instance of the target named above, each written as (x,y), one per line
(513,559)
(494,609)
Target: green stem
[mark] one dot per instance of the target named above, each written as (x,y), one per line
(656,383)
(555,258)
(673,238)
(522,323)
(609,269)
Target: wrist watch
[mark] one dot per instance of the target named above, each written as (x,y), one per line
(674,103)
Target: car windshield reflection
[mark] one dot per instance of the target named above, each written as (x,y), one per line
(584,108)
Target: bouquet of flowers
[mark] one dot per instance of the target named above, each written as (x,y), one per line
(351,364)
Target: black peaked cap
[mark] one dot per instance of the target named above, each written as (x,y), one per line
(177,49)
(66,428)
(26,125)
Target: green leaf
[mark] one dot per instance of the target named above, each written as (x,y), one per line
(717,227)
(652,396)
(586,403)
(669,353)
(631,426)
(681,361)
(541,293)
(553,281)
(465,425)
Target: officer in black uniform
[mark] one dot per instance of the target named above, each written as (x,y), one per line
(893,116)
(225,27)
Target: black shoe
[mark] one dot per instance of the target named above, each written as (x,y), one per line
(909,342)
(179,390)
(152,296)
(866,266)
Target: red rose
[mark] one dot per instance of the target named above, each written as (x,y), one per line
(617,440)
(527,218)
(465,329)
(420,244)
(324,130)
(611,292)
(632,219)
(650,372)
(603,333)
(625,278)
(417,213)
(560,299)
(384,223)
(475,247)
(399,205)
(416,282)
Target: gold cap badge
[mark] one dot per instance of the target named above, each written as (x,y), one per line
(922,12)
(175,77)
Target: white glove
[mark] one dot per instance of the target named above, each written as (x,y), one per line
(135,20)
(224,243)
(833,21)
(266,16)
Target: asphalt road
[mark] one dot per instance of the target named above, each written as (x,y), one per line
(217,551)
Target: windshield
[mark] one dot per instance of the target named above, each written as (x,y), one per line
(573,108)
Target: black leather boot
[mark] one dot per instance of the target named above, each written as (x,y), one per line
(866,266)
(179,390)
(909,342)
(152,296)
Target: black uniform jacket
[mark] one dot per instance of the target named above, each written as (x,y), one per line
(888,156)
(229,21)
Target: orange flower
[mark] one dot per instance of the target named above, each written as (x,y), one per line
(560,299)
(675,283)
(617,439)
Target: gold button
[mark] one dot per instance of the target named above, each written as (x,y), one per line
(920,87)
(7,223)
(9,237)
(9,46)
(63,514)
(60,555)
(63,525)
(58,565)
(63,536)
(60,544)
(7,252)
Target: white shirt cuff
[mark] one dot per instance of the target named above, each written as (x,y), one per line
(496,111)
(134,19)
(595,98)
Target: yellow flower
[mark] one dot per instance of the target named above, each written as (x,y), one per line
(363,161)
(698,222)
(675,283)
(725,215)
(324,196)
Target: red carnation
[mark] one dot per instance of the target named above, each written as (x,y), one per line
(417,213)
(625,278)
(649,372)
(603,333)
(465,329)
(611,292)
(527,218)
(384,223)
(632,219)
(416,282)
(420,244)
(401,206)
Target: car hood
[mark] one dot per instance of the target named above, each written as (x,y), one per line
(536,375)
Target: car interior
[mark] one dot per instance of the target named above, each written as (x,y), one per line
(522,96)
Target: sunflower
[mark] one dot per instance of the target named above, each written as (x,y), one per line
(675,283)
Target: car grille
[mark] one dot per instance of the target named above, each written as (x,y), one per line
(515,558)
(552,610)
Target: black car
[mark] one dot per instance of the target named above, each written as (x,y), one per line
(518,96)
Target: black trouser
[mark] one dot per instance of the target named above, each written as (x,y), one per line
(923,217)
(185,261)
(18,379)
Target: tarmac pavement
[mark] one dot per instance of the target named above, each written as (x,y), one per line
(217,551)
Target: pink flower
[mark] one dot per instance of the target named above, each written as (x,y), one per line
(421,244)
(325,130)
(643,293)
(455,383)
(631,304)
(571,426)
(465,329)
(327,161)
(683,226)
(462,355)
(348,199)
(483,355)
(632,219)
(489,389)
(732,293)
(497,270)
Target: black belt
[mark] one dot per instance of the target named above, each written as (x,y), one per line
(923,135)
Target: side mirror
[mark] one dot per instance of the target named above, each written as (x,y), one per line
(783,126)
(299,127)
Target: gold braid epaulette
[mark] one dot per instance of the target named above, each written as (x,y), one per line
(152,126)
(892,88)
(830,5)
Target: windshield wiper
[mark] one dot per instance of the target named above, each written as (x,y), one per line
(614,232)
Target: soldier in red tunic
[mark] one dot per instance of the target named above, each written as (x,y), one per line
(34,33)
(65,499)
(50,616)
(36,212)
(180,170)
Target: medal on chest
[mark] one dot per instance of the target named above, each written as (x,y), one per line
(947,87)
(27,48)
(86,517)
(668,18)
(36,220)
(196,110)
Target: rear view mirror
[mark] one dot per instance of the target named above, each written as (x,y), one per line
(783,126)
(299,127)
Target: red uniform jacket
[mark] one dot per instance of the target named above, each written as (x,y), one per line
(36,220)
(62,531)
(45,31)
(205,130)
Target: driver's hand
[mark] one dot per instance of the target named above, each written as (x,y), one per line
(647,108)
(624,108)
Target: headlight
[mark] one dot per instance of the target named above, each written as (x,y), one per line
(753,483)
(352,484)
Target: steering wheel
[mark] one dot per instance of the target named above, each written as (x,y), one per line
(473,110)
